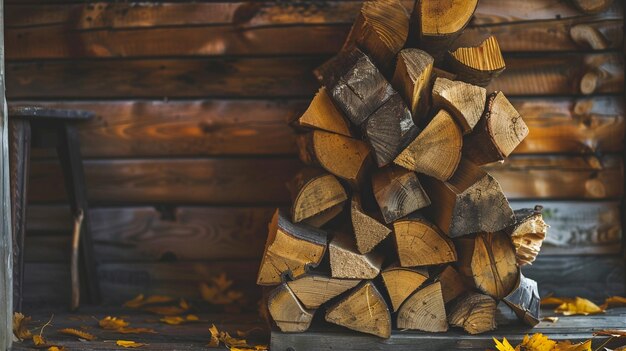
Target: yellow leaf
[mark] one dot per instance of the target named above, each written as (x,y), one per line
(176,320)
(568,346)
(215,341)
(504,345)
(537,342)
(140,300)
(229,341)
(613,301)
(78,333)
(218,292)
(551,319)
(56,348)
(579,306)
(112,323)
(135,330)
(555,301)
(192,318)
(129,344)
(222,282)
(38,340)
(20,329)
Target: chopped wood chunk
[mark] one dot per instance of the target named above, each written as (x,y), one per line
(347,262)
(412,80)
(487,261)
(322,114)
(476,313)
(367,230)
(527,234)
(439,23)
(287,312)
(420,243)
(401,282)
(355,84)
(465,102)
(424,310)
(344,157)
(314,191)
(290,250)
(380,29)
(525,301)
(364,310)
(437,149)
(592,6)
(389,129)
(497,134)
(315,289)
(477,65)
(470,202)
(398,192)
(452,285)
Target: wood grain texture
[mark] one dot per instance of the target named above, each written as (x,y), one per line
(271,77)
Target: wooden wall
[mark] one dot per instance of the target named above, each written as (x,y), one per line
(190,150)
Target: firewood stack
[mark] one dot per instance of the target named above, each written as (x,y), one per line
(394,224)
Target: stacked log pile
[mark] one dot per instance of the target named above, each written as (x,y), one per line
(394,222)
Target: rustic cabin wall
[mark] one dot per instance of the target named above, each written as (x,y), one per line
(191,150)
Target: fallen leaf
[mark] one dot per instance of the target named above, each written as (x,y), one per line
(129,344)
(551,319)
(56,348)
(176,320)
(130,330)
(112,323)
(215,341)
(504,345)
(579,306)
(218,292)
(555,301)
(617,333)
(78,333)
(537,342)
(613,301)
(254,348)
(182,307)
(140,300)
(20,329)
(568,346)
(38,340)
(230,342)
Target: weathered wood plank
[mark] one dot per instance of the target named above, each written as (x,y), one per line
(207,181)
(286,77)
(127,128)
(103,15)
(560,177)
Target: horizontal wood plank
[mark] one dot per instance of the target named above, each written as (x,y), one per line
(126,128)
(146,234)
(286,77)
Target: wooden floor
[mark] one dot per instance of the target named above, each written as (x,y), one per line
(196,336)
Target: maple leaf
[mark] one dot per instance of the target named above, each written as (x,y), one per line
(112,323)
(78,333)
(19,326)
(504,345)
(613,301)
(579,306)
(537,342)
(568,346)
(218,292)
(129,344)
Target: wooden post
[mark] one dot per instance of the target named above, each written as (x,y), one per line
(6,242)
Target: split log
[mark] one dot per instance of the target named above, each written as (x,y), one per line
(347,262)
(476,313)
(364,310)
(439,23)
(424,310)
(487,261)
(527,234)
(344,157)
(437,149)
(497,134)
(452,285)
(367,230)
(398,192)
(314,191)
(322,114)
(412,80)
(478,64)
(290,250)
(592,6)
(389,130)
(471,201)
(355,84)
(420,243)
(401,282)
(287,312)
(380,29)
(525,301)
(315,289)
(465,102)
(325,216)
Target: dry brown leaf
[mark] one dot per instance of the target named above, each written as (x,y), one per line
(176,320)
(215,341)
(78,333)
(38,340)
(112,323)
(616,333)
(613,301)
(579,306)
(568,346)
(20,329)
(218,292)
(230,342)
(551,319)
(141,301)
(129,344)
(252,348)
(131,330)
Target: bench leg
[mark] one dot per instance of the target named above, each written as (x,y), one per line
(68,148)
